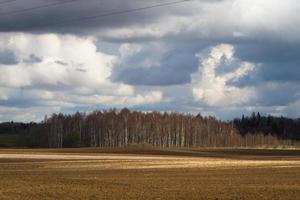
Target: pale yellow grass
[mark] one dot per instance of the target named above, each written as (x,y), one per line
(82,162)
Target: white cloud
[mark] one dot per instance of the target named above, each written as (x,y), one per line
(70,72)
(66,59)
(213,89)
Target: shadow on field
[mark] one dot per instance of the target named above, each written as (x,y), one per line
(243,154)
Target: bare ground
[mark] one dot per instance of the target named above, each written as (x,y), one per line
(135,173)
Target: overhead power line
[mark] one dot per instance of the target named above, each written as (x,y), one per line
(35,8)
(93,17)
(7,1)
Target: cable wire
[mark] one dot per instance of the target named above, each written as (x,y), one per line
(93,17)
(36,8)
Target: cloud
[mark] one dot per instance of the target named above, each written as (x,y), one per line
(146,59)
(63,71)
(243,21)
(49,72)
(28,114)
(154,64)
(7,58)
(204,19)
(213,89)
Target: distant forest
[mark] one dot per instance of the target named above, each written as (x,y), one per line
(113,128)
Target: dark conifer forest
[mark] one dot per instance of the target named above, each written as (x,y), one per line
(115,128)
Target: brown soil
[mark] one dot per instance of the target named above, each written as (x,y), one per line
(134,173)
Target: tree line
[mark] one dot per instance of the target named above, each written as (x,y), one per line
(120,128)
(283,128)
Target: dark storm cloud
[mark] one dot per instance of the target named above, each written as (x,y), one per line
(277,94)
(33,59)
(8,58)
(174,67)
(277,61)
(281,71)
(266,52)
(20,103)
(70,17)
(274,62)
(176,61)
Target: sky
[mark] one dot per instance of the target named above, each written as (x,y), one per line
(215,57)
